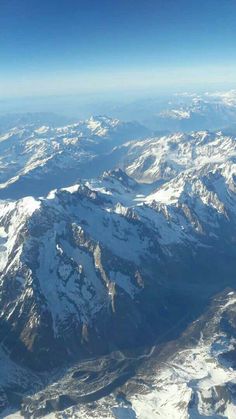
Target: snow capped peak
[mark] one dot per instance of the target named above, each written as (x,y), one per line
(104,119)
(228,97)
(29,205)
(42,130)
(120,175)
(100,125)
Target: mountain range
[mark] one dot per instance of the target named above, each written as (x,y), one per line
(117,261)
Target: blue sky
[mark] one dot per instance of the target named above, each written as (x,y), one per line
(69,46)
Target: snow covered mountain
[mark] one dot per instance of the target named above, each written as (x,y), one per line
(112,266)
(188,378)
(192,377)
(187,112)
(160,159)
(35,159)
(200,113)
(195,376)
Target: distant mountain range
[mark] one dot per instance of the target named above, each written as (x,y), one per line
(186,112)
(35,159)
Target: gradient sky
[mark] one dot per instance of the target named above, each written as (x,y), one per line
(69,46)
